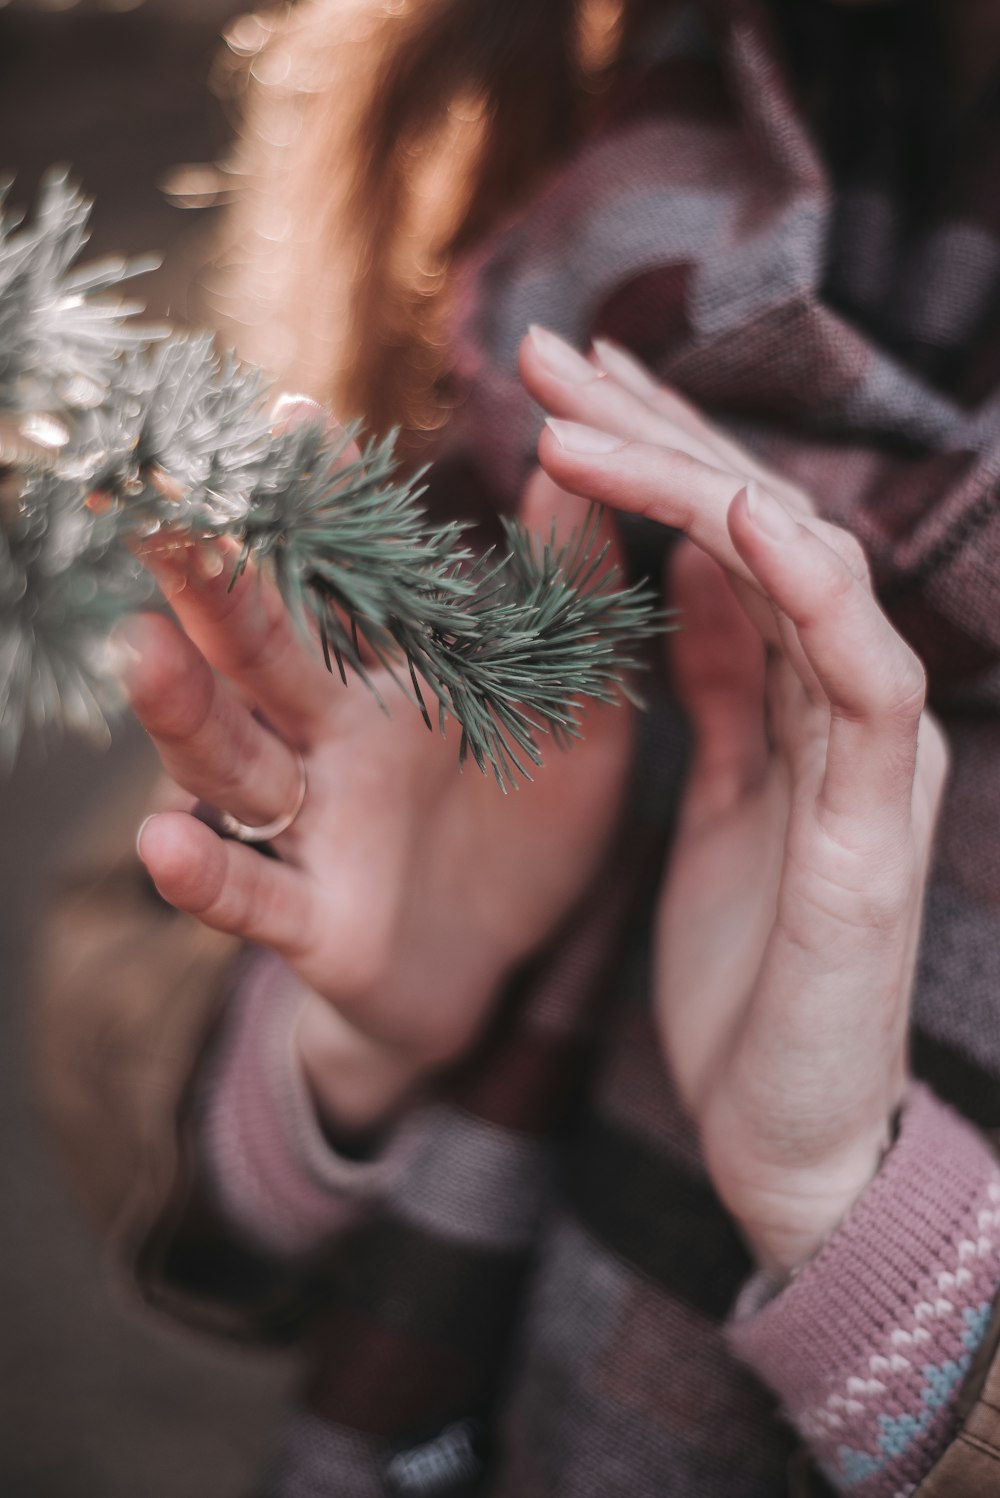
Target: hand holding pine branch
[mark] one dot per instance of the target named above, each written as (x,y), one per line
(403,893)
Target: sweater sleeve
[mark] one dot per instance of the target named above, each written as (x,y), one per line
(868,1346)
(272,1170)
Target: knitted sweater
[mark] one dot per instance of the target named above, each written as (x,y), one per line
(625,1377)
(534,1290)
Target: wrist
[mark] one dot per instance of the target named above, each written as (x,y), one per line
(816,1207)
(357,1084)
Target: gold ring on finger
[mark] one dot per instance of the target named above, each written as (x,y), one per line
(245,833)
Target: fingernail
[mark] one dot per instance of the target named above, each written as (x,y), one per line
(623,367)
(290,410)
(138,837)
(560,359)
(588,441)
(768,515)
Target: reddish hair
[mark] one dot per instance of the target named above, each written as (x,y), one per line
(420,125)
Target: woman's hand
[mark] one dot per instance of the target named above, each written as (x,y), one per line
(404,891)
(790,913)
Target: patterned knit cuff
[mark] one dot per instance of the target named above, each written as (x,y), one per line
(868,1345)
(275,1174)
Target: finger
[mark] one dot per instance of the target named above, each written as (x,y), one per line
(625,441)
(244,630)
(673,489)
(873,682)
(568,385)
(642,478)
(668,486)
(226,885)
(612,392)
(208,741)
(680,415)
(718,665)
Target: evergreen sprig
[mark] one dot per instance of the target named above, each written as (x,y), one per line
(65,580)
(60,341)
(178,440)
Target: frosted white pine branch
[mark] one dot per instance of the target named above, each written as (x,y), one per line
(177,440)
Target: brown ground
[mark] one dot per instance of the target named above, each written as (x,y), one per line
(96,1402)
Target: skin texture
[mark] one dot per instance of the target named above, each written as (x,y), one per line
(789,917)
(405,892)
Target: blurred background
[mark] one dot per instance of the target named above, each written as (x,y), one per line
(97,1400)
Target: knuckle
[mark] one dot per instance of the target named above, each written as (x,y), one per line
(264,646)
(867,890)
(852,554)
(888,904)
(882,908)
(178,702)
(214,900)
(838,585)
(848,551)
(906,696)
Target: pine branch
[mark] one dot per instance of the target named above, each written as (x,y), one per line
(59,344)
(65,579)
(179,441)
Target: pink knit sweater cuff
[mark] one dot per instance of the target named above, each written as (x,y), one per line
(869,1344)
(275,1175)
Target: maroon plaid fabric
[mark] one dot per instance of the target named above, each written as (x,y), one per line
(789,217)
(786,216)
